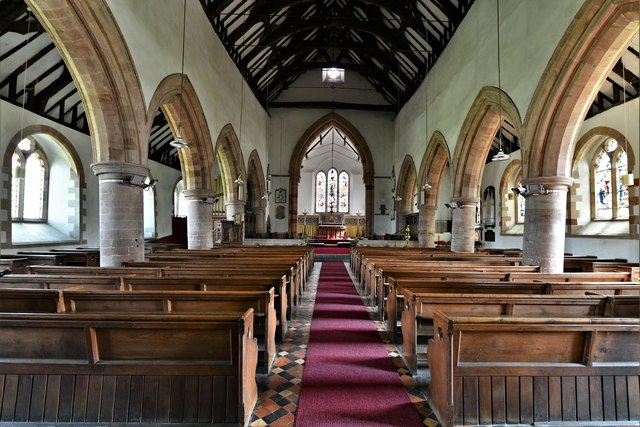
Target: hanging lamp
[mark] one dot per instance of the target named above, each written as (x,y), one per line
(178,142)
(500,155)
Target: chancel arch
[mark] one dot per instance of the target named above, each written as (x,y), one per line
(311,135)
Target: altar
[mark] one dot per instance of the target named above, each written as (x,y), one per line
(331,226)
(331,231)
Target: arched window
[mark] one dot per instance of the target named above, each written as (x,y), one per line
(149,209)
(332,191)
(610,196)
(29,168)
(343,191)
(179,202)
(520,204)
(321,192)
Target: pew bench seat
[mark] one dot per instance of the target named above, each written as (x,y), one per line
(128,368)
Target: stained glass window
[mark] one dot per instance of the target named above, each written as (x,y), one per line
(622,190)
(344,192)
(332,189)
(321,192)
(602,186)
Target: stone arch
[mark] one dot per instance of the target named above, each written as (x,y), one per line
(197,160)
(229,155)
(75,163)
(329,120)
(483,120)
(256,189)
(507,211)
(405,188)
(434,162)
(580,191)
(585,55)
(89,40)
(594,137)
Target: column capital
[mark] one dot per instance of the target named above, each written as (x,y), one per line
(427,208)
(550,182)
(118,169)
(466,202)
(199,193)
(234,203)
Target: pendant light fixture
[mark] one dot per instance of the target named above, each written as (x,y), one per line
(626,179)
(500,155)
(427,184)
(178,142)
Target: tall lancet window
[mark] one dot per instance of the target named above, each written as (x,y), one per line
(29,182)
(321,192)
(610,195)
(622,192)
(343,186)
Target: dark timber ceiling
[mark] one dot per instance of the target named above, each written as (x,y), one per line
(390,43)
(274,42)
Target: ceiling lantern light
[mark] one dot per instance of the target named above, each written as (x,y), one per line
(333,75)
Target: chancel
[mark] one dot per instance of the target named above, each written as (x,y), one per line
(330,212)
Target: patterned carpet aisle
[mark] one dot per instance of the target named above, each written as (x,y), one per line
(280,390)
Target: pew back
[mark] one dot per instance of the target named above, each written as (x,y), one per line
(495,370)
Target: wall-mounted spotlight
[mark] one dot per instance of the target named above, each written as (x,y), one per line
(452,205)
(209,200)
(519,191)
(426,186)
(141,181)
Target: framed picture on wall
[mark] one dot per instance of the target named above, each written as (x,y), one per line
(281,195)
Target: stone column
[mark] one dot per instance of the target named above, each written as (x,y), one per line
(545,222)
(463,225)
(427,226)
(261,220)
(121,213)
(199,219)
(234,207)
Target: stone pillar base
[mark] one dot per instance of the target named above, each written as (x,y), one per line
(463,225)
(545,223)
(427,226)
(199,219)
(121,213)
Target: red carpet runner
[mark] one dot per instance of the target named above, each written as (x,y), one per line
(348,378)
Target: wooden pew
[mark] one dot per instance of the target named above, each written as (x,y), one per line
(223,283)
(30,301)
(183,269)
(13,263)
(48,258)
(128,368)
(84,257)
(397,287)
(93,271)
(514,370)
(209,302)
(382,272)
(419,308)
(47,281)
